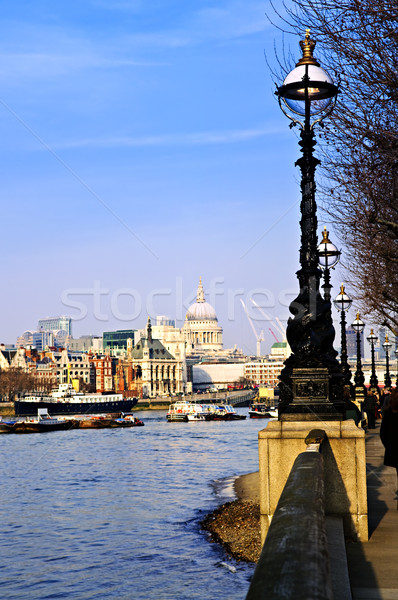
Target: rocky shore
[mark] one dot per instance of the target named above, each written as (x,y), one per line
(236,525)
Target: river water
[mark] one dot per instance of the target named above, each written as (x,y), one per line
(115,513)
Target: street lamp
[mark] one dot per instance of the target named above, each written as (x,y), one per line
(396,356)
(343,303)
(311,383)
(372,339)
(358,327)
(329,256)
(387,347)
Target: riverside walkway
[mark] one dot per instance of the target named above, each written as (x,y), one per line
(373,565)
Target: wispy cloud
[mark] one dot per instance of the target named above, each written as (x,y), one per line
(185,139)
(16,66)
(47,50)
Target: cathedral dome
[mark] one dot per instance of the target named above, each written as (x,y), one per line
(201,310)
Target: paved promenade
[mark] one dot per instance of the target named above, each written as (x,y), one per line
(373,566)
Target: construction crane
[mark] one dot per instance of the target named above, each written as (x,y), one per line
(275,322)
(273,334)
(259,337)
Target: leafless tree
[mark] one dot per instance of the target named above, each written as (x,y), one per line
(14,381)
(357,42)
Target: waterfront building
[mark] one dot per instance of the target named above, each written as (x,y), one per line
(216,374)
(149,369)
(62,323)
(265,371)
(201,330)
(351,335)
(381,353)
(102,365)
(172,338)
(163,320)
(6,357)
(119,339)
(25,340)
(85,343)
(42,339)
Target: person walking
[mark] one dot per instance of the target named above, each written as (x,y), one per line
(370,407)
(385,401)
(389,432)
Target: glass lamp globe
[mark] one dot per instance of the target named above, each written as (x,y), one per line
(308,82)
(358,325)
(372,338)
(342,302)
(387,345)
(327,252)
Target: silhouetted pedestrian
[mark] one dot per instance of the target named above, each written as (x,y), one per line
(389,432)
(385,401)
(370,407)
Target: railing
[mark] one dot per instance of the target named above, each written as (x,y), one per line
(294,562)
(245,396)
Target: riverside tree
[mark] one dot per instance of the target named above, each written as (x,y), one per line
(358,42)
(14,381)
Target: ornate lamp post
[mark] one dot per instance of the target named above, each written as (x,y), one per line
(372,339)
(387,347)
(329,256)
(343,303)
(396,355)
(358,327)
(311,381)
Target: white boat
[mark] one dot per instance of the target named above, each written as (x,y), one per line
(196,416)
(38,424)
(65,400)
(260,410)
(182,410)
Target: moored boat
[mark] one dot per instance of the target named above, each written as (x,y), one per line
(260,410)
(190,411)
(106,421)
(66,401)
(225,412)
(39,424)
(182,411)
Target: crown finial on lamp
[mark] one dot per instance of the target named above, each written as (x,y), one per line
(307,46)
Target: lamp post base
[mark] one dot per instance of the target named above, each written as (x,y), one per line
(311,399)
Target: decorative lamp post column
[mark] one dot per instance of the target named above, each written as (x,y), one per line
(387,379)
(343,303)
(396,356)
(329,256)
(372,339)
(311,383)
(359,379)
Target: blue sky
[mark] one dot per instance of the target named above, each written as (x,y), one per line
(142,147)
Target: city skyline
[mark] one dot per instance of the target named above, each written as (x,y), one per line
(143,147)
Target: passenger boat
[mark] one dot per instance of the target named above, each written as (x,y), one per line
(65,400)
(39,424)
(225,412)
(182,411)
(196,416)
(190,411)
(260,410)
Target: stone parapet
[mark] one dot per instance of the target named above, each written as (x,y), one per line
(344,470)
(294,561)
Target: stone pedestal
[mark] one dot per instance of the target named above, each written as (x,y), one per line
(344,465)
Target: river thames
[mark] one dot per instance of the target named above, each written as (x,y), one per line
(115,513)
